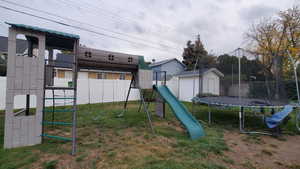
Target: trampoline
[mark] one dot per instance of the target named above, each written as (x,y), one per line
(261,93)
(256,105)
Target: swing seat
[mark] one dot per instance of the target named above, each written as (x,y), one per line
(276,119)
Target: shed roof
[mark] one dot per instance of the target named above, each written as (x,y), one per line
(202,72)
(165,62)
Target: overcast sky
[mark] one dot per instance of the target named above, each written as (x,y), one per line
(159,28)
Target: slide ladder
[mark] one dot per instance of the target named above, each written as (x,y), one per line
(192,125)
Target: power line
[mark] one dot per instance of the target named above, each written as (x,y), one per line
(77,27)
(65,18)
(114,16)
(108,11)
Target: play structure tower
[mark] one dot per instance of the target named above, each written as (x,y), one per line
(26,78)
(31,75)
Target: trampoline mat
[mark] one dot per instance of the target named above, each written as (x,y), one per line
(235,101)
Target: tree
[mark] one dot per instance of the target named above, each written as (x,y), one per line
(271,42)
(273,38)
(193,52)
(228,65)
(291,19)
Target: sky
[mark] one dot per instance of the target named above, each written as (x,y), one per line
(156,29)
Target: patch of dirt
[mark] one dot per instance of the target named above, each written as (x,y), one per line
(262,152)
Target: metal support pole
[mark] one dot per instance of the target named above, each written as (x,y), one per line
(243,117)
(239,74)
(195,66)
(27,105)
(164,103)
(74,118)
(43,113)
(209,114)
(127,97)
(53,105)
(156,78)
(295,74)
(240,120)
(30,54)
(297,87)
(146,110)
(165,78)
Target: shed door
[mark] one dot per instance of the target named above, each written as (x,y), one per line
(188,86)
(211,86)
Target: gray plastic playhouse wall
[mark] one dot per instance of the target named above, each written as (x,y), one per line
(25,76)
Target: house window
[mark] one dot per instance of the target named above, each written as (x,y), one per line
(60,74)
(122,76)
(93,75)
(101,75)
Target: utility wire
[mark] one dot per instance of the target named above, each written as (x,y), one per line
(115,17)
(77,27)
(65,18)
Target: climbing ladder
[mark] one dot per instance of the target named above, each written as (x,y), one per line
(49,122)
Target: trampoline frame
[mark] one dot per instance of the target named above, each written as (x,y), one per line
(242,114)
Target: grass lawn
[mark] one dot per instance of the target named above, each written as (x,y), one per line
(108,141)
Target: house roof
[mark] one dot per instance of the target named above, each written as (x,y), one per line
(21,44)
(165,62)
(202,72)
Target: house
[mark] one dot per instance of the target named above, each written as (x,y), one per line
(171,66)
(63,65)
(188,81)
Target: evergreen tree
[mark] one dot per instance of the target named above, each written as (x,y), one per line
(193,52)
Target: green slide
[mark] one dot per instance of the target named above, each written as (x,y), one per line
(186,118)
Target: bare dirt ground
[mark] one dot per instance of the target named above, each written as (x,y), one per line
(262,152)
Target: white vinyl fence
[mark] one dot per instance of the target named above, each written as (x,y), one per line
(90,91)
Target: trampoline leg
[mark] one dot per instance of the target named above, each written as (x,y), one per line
(243,116)
(209,115)
(241,119)
(140,106)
